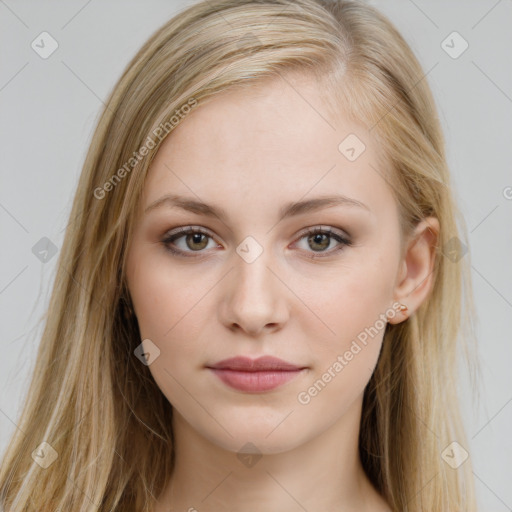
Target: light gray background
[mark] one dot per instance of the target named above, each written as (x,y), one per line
(49,108)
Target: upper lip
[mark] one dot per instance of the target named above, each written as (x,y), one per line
(263,363)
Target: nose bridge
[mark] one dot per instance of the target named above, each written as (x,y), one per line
(255,296)
(252,275)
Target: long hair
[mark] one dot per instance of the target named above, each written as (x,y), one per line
(92,401)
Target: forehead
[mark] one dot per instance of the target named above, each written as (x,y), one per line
(272,142)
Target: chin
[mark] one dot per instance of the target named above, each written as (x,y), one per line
(255,434)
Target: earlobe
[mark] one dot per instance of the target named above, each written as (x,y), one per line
(398,313)
(415,280)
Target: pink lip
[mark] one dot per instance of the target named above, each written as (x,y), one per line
(260,374)
(246,364)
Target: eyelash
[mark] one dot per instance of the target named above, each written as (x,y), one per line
(170,238)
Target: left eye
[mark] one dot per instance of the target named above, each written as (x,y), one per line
(196,240)
(321,238)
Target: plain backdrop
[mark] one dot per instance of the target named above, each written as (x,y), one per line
(49,108)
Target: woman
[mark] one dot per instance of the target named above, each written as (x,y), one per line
(259,296)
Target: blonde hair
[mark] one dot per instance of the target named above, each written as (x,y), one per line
(93,401)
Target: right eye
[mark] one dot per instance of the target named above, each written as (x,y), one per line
(195,240)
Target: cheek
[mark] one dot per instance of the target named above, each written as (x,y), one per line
(352,298)
(163,296)
(171,308)
(168,309)
(352,307)
(345,356)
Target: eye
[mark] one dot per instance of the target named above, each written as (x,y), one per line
(320,239)
(196,239)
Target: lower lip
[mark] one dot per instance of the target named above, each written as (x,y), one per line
(255,381)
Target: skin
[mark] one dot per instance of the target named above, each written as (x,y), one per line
(251,152)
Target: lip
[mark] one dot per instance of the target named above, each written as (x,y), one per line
(263,363)
(255,375)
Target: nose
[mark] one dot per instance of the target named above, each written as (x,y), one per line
(254,297)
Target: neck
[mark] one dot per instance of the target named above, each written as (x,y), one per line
(322,473)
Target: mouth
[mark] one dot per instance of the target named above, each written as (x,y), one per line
(255,375)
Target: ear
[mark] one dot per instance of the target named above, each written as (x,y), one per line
(415,278)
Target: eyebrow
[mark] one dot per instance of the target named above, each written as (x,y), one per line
(289,210)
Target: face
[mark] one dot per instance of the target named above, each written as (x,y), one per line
(311,287)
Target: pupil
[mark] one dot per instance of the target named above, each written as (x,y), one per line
(196,239)
(317,238)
